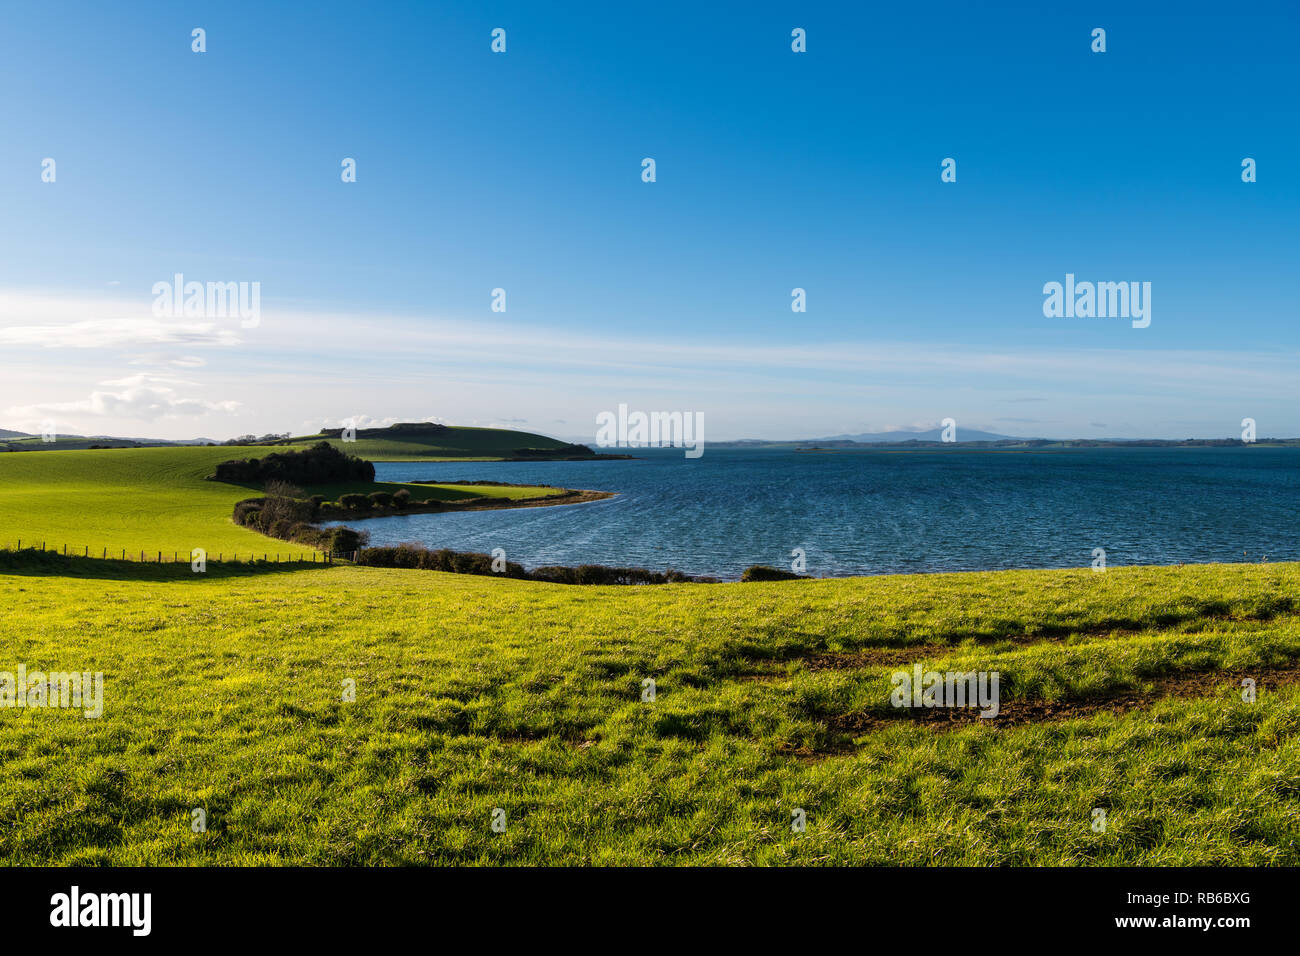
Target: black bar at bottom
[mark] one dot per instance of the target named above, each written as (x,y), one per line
(334,905)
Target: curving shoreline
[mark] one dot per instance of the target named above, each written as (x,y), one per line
(566,496)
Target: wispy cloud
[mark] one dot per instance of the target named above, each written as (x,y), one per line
(139,397)
(119,333)
(320,367)
(38,320)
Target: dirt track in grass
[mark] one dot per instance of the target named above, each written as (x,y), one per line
(1014,712)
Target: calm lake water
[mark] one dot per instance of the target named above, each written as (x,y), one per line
(879,512)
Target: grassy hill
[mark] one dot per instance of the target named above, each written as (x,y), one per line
(1121,691)
(156,499)
(447,442)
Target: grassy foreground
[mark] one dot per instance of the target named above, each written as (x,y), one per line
(225,691)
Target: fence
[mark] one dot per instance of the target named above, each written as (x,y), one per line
(182,557)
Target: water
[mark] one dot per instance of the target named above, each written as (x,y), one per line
(880,512)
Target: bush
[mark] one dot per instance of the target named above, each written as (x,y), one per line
(354,502)
(319,465)
(600,574)
(416,556)
(248,513)
(341,539)
(380,499)
(291,510)
(761,572)
(290,519)
(401,497)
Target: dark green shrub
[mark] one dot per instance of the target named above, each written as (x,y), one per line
(761,572)
(341,539)
(319,465)
(248,512)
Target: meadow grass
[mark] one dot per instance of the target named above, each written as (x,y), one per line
(225,691)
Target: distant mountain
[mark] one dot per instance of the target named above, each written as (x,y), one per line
(6,433)
(934,434)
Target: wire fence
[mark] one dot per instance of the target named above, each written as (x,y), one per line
(151,556)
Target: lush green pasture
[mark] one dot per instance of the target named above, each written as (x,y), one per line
(155,499)
(224,691)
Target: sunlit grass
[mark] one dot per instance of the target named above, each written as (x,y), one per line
(225,692)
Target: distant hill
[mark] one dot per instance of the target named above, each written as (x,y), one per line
(425,440)
(20,441)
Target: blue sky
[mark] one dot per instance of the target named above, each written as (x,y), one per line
(775,170)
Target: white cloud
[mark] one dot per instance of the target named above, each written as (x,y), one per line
(163,359)
(119,333)
(37,320)
(141,397)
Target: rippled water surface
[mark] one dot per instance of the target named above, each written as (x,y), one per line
(877,512)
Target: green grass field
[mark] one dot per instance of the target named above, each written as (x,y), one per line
(156,499)
(1120,691)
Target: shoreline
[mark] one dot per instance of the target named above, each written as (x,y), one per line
(566,496)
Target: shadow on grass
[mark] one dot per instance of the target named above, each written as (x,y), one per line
(37,563)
